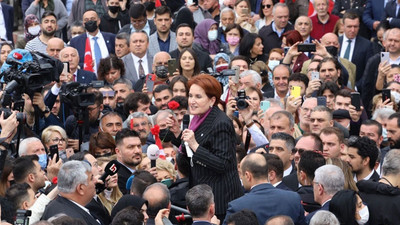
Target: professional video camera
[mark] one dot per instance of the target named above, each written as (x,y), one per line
(27,72)
(75,94)
(223,73)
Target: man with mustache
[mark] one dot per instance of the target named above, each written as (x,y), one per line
(48,26)
(122,88)
(393,131)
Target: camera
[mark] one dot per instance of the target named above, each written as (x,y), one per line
(75,94)
(21,117)
(161,71)
(22,217)
(241,100)
(223,73)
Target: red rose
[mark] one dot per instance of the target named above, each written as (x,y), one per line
(173,105)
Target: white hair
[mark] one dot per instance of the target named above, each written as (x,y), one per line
(331,177)
(324,217)
(23,146)
(255,76)
(71,174)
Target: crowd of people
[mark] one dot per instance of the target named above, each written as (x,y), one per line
(236,112)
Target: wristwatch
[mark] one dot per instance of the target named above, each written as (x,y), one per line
(46,110)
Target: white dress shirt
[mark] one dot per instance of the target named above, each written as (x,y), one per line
(102,45)
(3,31)
(344,47)
(144,64)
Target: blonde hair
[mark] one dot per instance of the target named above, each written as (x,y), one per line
(49,130)
(116,194)
(166,166)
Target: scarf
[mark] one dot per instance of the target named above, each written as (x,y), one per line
(201,36)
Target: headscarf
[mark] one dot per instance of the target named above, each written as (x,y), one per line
(128,200)
(223,80)
(29,21)
(201,36)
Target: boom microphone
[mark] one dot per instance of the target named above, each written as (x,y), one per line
(153,152)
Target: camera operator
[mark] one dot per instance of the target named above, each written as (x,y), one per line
(71,124)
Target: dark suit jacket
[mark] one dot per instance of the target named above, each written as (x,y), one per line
(369,81)
(283,187)
(375,176)
(373,12)
(390,12)
(85,77)
(123,175)
(267,201)
(80,42)
(291,181)
(361,53)
(8,13)
(270,39)
(214,162)
(63,205)
(127,28)
(324,207)
(201,223)
(98,210)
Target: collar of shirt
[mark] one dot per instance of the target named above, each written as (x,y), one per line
(396,61)
(83,208)
(136,59)
(98,35)
(169,36)
(146,28)
(287,171)
(308,39)
(132,170)
(275,30)
(319,21)
(276,96)
(365,178)
(277,183)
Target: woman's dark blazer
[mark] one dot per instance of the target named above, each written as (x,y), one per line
(214,162)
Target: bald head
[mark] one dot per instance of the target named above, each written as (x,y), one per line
(54,46)
(256,164)
(160,59)
(158,197)
(330,39)
(70,54)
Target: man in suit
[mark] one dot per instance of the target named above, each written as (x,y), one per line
(362,155)
(76,183)
(354,47)
(164,39)
(138,63)
(6,22)
(304,26)
(391,13)
(185,38)
(309,162)
(200,203)
(139,21)
(328,180)
(275,171)
(71,55)
(281,144)
(122,45)
(101,43)
(129,155)
(271,34)
(263,199)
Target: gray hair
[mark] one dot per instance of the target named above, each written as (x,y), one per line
(308,18)
(255,76)
(227,9)
(161,114)
(23,146)
(324,217)
(274,102)
(71,174)
(279,4)
(288,115)
(198,200)
(321,108)
(382,113)
(123,81)
(391,163)
(331,177)
(123,36)
(287,138)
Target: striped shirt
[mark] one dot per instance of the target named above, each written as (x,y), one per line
(36,45)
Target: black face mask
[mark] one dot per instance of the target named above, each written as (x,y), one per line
(332,50)
(91,26)
(166,135)
(113,9)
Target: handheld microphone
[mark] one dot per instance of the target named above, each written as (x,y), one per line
(153,152)
(111,168)
(185,125)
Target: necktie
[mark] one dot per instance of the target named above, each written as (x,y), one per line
(141,70)
(347,52)
(97,51)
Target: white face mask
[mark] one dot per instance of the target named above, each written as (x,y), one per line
(364,214)
(396,96)
(34,30)
(384,134)
(212,35)
(273,63)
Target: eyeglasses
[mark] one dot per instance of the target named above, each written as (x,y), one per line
(268,6)
(140,124)
(58,140)
(300,150)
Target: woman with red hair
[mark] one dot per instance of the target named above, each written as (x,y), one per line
(293,58)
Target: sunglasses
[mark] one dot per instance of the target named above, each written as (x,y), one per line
(300,150)
(268,6)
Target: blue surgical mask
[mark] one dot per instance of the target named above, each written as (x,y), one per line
(384,134)
(212,35)
(273,63)
(43,160)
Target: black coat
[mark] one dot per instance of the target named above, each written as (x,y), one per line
(270,39)
(383,202)
(204,59)
(214,162)
(123,175)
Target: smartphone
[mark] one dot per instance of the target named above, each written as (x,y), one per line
(150,78)
(321,100)
(386,95)
(355,100)
(171,66)
(286,49)
(66,67)
(236,114)
(385,56)
(54,150)
(264,105)
(295,91)
(245,11)
(235,79)
(314,75)
(309,47)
